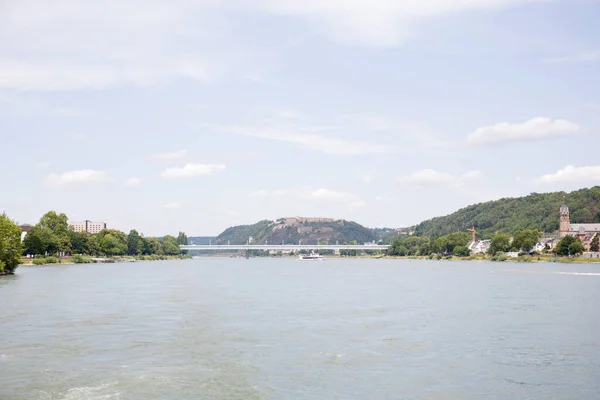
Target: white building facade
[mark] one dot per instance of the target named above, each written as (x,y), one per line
(87,226)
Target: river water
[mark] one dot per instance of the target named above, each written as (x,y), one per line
(280,329)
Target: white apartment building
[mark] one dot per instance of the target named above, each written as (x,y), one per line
(87,226)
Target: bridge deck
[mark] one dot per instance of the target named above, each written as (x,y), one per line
(283,247)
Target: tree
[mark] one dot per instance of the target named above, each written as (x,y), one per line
(40,240)
(182,239)
(57,223)
(155,246)
(595,245)
(446,244)
(111,245)
(562,247)
(170,245)
(93,245)
(33,242)
(576,248)
(461,251)
(500,243)
(10,245)
(135,243)
(78,242)
(115,244)
(525,240)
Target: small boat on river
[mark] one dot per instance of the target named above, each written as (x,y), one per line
(311,257)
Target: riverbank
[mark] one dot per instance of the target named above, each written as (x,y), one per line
(77,259)
(89,260)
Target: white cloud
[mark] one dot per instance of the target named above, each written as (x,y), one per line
(192,170)
(379,23)
(76,178)
(367,179)
(534,129)
(337,197)
(131,182)
(176,155)
(430,178)
(572,174)
(305,137)
(173,205)
(76,45)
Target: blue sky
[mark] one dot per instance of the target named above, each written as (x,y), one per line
(199,115)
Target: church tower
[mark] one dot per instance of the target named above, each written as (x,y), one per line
(565,221)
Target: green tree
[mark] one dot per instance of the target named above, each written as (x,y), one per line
(78,242)
(562,247)
(115,245)
(57,223)
(111,245)
(182,239)
(64,244)
(461,251)
(446,244)
(170,245)
(40,240)
(93,246)
(595,245)
(135,243)
(155,246)
(576,248)
(500,243)
(10,245)
(525,240)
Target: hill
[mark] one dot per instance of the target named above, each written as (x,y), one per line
(536,211)
(299,229)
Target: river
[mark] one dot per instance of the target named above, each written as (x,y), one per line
(220,328)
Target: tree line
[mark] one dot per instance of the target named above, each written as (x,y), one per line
(538,211)
(10,245)
(456,243)
(52,236)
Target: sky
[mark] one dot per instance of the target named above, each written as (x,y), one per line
(194,116)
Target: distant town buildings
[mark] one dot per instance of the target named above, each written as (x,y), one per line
(87,226)
(584,232)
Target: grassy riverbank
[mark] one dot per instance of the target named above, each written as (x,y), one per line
(522,259)
(77,259)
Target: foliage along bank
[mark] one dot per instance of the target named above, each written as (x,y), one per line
(538,211)
(51,236)
(455,244)
(10,245)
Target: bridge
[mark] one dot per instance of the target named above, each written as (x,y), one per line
(284,247)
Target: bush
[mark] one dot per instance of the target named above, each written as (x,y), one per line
(79,259)
(45,261)
(499,257)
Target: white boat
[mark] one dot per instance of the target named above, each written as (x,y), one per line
(311,257)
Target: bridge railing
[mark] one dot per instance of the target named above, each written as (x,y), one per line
(284,247)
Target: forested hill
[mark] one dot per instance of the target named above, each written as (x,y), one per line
(289,231)
(536,211)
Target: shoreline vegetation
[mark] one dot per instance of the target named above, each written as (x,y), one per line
(78,259)
(53,241)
